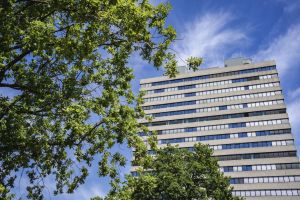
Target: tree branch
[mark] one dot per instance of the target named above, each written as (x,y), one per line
(18,58)
(89,132)
(23,88)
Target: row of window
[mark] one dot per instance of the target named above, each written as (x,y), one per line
(275,179)
(210,84)
(264,103)
(217,108)
(251,156)
(265,167)
(224,136)
(222,126)
(211,100)
(234,89)
(195,78)
(217,117)
(248,156)
(259,123)
(208,92)
(262,193)
(239,97)
(252,145)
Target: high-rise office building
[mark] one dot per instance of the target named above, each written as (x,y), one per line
(239,111)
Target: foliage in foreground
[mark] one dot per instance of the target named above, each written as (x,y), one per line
(66,97)
(178,174)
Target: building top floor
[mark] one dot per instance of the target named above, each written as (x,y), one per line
(209,71)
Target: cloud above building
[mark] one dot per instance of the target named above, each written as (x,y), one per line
(285,49)
(210,36)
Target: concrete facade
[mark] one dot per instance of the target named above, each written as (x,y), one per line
(238,111)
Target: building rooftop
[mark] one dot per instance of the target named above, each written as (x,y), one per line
(233,64)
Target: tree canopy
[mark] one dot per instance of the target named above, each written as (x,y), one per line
(176,174)
(66,97)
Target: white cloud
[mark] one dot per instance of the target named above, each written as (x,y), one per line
(293,95)
(290,6)
(285,49)
(293,109)
(210,36)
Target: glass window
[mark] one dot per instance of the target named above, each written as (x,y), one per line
(248,194)
(273,193)
(297,178)
(281,180)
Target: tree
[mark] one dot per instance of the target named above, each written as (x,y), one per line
(66,97)
(177,174)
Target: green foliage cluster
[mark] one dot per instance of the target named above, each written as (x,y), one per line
(177,174)
(66,97)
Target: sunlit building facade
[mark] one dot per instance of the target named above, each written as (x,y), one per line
(239,111)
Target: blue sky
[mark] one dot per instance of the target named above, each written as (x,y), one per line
(216,30)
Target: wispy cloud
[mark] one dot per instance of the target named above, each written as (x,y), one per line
(210,36)
(294,95)
(285,49)
(293,108)
(290,6)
